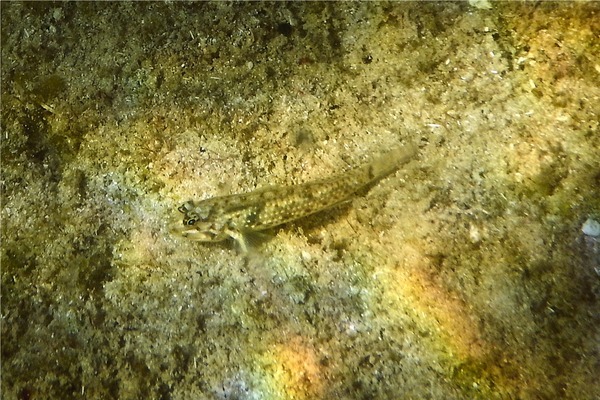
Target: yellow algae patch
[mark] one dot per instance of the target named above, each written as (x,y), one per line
(292,370)
(412,290)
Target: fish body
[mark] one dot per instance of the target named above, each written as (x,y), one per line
(234,216)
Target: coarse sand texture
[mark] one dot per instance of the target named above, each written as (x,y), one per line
(470,271)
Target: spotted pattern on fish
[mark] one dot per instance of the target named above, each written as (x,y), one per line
(234,216)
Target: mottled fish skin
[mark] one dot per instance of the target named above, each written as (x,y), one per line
(218,218)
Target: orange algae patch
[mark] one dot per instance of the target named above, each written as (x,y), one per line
(445,310)
(413,290)
(294,370)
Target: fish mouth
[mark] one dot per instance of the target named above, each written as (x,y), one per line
(191,232)
(195,234)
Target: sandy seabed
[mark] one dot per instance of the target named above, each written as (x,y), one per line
(464,275)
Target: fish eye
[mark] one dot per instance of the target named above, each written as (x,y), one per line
(190,221)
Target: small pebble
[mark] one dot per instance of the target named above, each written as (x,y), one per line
(591,227)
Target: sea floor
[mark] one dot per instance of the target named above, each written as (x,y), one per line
(473,272)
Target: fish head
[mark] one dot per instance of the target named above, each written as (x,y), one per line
(197,223)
